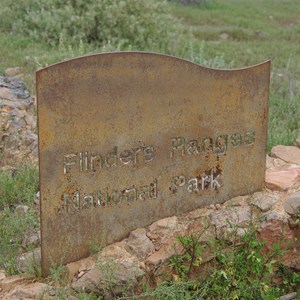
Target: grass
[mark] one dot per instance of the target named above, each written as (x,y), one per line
(18,187)
(15,189)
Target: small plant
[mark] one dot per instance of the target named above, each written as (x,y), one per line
(289,279)
(244,270)
(33,266)
(59,276)
(198,56)
(109,269)
(183,264)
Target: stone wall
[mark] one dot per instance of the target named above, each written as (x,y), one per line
(18,136)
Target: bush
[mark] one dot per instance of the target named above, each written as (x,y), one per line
(244,269)
(193,2)
(139,24)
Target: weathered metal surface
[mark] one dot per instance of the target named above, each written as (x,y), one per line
(128,138)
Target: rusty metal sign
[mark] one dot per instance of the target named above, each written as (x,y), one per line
(128,138)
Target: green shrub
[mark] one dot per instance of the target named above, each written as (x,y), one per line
(141,24)
(18,188)
(243,270)
(196,54)
(191,2)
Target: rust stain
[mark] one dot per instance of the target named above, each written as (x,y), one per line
(124,137)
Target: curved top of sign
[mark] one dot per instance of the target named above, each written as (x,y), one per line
(155,55)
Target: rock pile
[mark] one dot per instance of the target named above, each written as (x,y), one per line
(18,138)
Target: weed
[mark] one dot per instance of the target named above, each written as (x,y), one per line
(289,279)
(109,269)
(58,275)
(177,290)
(191,257)
(242,271)
(196,53)
(33,266)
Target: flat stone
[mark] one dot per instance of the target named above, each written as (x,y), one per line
(170,223)
(115,267)
(5,93)
(161,230)
(158,258)
(281,179)
(29,259)
(275,229)
(12,72)
(21,210)
(290,154)
(89,281)
(10,282)
(272,162)
(269,162)
(239,215)
(292,204)
(231,220)
(264,201)
(290,296)
(224,36)
(16,85)
(292,261)
(139,244)
(17,113)
(30,120)
(33,240)
(237,201)
(84,264)
(36,290)
(37,198)
(2,274)
(29,138)
(218,206)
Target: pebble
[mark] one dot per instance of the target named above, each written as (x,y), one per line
(17,121)
(12,72)
(21,210)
